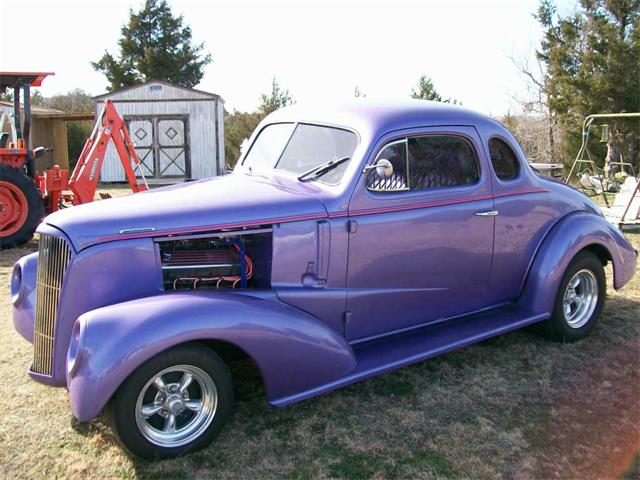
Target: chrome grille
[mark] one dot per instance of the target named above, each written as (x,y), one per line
(53,258)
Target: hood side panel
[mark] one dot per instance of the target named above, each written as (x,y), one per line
(232,201)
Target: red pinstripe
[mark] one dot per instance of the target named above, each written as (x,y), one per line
(315,216)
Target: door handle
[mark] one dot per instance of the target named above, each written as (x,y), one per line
(490,213)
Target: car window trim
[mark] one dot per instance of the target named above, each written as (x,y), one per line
(404,140)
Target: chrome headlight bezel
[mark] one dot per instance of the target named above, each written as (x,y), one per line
(76,347)
(17,285)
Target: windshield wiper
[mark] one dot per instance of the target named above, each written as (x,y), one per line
(321,169)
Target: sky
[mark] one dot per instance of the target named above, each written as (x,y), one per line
(318,50)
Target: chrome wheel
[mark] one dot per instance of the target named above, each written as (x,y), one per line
(580,298)
(176,406)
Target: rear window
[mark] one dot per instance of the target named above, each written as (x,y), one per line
(504,160)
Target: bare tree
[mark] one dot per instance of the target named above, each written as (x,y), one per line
(536,103)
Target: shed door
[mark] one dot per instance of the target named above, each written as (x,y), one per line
(141,132)
(162,143)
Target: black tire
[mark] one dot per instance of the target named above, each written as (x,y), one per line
(558,327)
(34,202)
(123,404)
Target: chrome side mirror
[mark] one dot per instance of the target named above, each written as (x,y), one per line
(382,167)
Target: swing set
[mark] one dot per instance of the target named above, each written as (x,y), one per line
(625,210)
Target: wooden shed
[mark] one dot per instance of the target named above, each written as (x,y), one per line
(178,132)
(48,129)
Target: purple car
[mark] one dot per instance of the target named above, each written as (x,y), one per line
(348,242)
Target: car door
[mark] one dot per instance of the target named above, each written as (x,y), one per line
(421,239)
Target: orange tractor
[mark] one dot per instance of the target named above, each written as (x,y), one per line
(27,195)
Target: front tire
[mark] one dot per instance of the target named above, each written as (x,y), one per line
(579,300)
(176,402)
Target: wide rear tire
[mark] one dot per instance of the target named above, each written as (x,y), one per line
(21,207)
(579,300)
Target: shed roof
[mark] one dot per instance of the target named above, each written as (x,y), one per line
(51,113)
(177,92)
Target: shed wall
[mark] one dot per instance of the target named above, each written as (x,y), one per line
(206,132)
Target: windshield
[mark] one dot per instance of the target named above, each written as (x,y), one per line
(299,148)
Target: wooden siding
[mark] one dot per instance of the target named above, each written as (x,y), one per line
(205,125)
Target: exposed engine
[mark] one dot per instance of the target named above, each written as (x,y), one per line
(224,262)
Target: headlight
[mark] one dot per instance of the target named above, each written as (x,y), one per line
(16,284)
(74,354)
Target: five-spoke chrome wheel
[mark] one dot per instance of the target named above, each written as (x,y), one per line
(176,406)
(580,298)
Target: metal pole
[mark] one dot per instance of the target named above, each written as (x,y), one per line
(630,201)
(16,112)
(27,114)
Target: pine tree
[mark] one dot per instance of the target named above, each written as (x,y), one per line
(155,45)
(592,63)
(426,90)
(277,98)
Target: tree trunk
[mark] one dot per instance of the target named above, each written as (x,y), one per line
(551,139)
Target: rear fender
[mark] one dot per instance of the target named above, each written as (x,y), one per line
(565,240)
(293,351)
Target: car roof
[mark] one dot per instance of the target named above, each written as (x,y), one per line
(374,118)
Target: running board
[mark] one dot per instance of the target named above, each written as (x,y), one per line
(390,353)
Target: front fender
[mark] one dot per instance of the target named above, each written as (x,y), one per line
(24,300)
(569,236)
(293,351)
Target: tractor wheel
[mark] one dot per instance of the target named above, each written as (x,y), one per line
(21,207)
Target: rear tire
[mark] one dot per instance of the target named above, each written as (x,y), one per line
(21,207)
(176,402)
(579,300)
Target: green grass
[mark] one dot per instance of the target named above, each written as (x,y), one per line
(516,406)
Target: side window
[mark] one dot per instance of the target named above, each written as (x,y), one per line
(430,161)
(504,161)
(437,161)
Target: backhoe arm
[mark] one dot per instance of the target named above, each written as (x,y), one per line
(85,175)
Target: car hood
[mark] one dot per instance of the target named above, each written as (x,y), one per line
(232,201)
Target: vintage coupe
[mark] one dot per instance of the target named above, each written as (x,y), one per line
(348,242)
